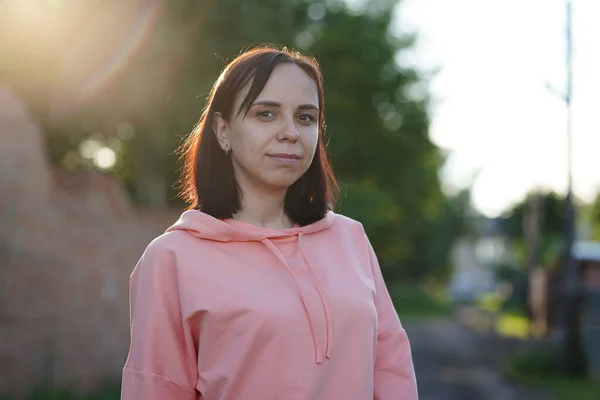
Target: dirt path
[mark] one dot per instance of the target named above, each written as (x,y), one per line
(453,362)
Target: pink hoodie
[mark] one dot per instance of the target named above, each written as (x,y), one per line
(227,310)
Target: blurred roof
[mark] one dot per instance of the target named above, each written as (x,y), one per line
(586,250)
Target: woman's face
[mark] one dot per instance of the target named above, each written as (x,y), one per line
(274,144)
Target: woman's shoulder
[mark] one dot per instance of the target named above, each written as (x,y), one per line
(168,242)
(347,224)
(344,221)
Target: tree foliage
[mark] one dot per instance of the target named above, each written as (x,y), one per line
(551,222)
(377,110)
(594,218)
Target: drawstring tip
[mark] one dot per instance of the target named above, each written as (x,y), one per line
(318,357)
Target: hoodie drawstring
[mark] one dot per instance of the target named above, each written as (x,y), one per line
(323,298)
(311,322)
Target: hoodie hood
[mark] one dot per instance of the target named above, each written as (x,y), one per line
(204,226)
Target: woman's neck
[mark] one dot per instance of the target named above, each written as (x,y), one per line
(263,210)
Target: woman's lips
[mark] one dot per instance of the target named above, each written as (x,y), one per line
(285,159)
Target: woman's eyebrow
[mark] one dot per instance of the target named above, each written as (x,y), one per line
(308,107)
(278,105)
(267,103)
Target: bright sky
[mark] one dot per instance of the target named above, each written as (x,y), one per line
(493,110)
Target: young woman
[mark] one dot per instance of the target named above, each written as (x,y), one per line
(260,291)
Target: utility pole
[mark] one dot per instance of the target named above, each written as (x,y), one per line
(569,333)
(571,272)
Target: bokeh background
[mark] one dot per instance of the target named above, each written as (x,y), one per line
(454,128)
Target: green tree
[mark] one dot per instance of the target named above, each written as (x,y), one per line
(594,218)
(379,135)
(377,109)
(551,227)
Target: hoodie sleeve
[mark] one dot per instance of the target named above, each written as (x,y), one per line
(161,363)
(394,370)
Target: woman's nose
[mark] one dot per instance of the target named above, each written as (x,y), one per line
(289,131)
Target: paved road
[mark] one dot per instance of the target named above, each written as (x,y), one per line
(451,363)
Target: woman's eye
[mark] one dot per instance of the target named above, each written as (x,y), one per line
(306,118)
(265,114)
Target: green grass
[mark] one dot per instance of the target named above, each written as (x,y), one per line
(505,321)
(574,389)
(490,302)
(564,388)
(415,301)
(570,389)
(513,325)
(538,367)
(110,391)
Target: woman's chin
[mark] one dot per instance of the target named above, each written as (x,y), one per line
(281,183)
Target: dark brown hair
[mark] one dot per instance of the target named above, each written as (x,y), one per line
(207,180)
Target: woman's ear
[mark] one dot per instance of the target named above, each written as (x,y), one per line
(221,130)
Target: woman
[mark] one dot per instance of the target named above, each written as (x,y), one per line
(260,291)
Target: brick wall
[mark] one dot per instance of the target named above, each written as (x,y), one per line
(68,243)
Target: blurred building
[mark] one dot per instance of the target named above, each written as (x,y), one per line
(474,258)
(68,243)
(587,254)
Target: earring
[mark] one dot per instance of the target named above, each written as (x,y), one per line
(226,149)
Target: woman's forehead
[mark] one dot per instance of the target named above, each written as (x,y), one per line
(288,85)
(290,80)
